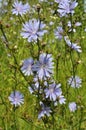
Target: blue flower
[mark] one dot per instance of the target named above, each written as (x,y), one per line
(53,91)
(60,100)
(76,47)
(35,87)
(59,33)
(27,67)
(45,110)
(33,30)
(19,8)
(72,106)
(44,67)
(16,98)
(66,7)
(75,81)
(72,45)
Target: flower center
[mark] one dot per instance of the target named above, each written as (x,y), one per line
(51,90)
(29,67)
(16,99)
(18,8)
(34,32)
(43,65)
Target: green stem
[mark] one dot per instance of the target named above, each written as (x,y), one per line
(6,40)
(73,66)
(14,118)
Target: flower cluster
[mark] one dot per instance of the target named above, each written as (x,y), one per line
(43,86)
(43,67)
(49,92)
